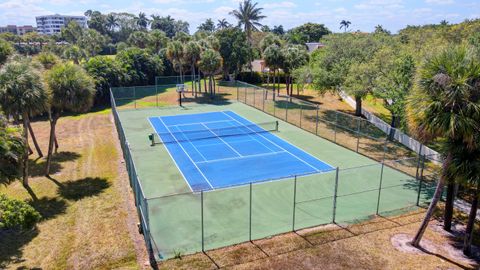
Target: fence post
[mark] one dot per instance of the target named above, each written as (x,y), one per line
(384,150)
(134,98)
(263,99)
(156,95)
(250,216)
(418,161)
(286,108)
(335,196)
(316,123)
(201,206)
(254,94)
(274,103)
(358,132)
(301,114)
(294,201)
(238,99)
(380,188)
(420,182)
(335,128)
(245,95)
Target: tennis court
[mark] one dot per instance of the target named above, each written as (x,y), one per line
(220,149)
(225,173)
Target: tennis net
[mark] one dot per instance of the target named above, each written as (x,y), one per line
(208,133)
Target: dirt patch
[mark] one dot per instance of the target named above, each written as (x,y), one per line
(401,242)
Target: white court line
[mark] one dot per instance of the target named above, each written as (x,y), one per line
(174,161)
(244,157)
(252,138)
(190,142)
(193,123)
(200,171)
(222,140)
(276,145)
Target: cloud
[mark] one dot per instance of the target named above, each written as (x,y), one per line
(439,2)
(279,5)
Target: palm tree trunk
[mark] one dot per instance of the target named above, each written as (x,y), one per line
(358,106)
(25,155)
(447,222)
(436,197)
(53,123)
(56,143)
(273,84)
(34,139)
(467,242)
(194,85)
(205,82)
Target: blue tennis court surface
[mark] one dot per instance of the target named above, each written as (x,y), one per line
(219,149)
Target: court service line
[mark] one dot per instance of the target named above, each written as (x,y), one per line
(200,171)
(218,136)
(243,157)
(174,161)
(196,123)
(190,142)
(278,146)
(251,135)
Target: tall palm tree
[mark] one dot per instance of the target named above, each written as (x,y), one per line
(22,94)
(345,25)
(175,53)
(210,63)
(445,102)
(112,22)
(248,16)
(142,20)
(192,55)
(72,89)
(222,24)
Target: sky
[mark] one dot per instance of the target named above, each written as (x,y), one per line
(363,14)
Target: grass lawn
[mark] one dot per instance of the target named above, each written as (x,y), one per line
(88,221)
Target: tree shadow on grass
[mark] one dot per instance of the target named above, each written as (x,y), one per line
(37,167)
(79,189)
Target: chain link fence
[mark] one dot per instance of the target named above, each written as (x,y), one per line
(190,222)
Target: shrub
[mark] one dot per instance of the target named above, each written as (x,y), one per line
(17,214)
(250,77)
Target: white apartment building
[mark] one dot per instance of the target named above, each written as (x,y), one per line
(52,24)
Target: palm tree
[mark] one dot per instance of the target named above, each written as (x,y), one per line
(156,40)
(192,54)
(222,24)
(210,63)
(248,15)
(445,104)
(274,59)
(112,22)
(22,94)
(345,24)
(142,20)
(175,53)
(72,89)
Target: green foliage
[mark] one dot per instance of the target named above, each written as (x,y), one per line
(309,32)
(250,77)
(72,33)
(72,89)
(140,67)
(248,16)
(92,42)
(138,39)
(156,40)
(17,214)
(47,59)
(273,57)
(233,48)
(207,26)
(270,39)
(445,100)
(12,149)
(106,72)
(295,56)
(210,62)
(74,53)
(169,25)
(5,51)
(21,90)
